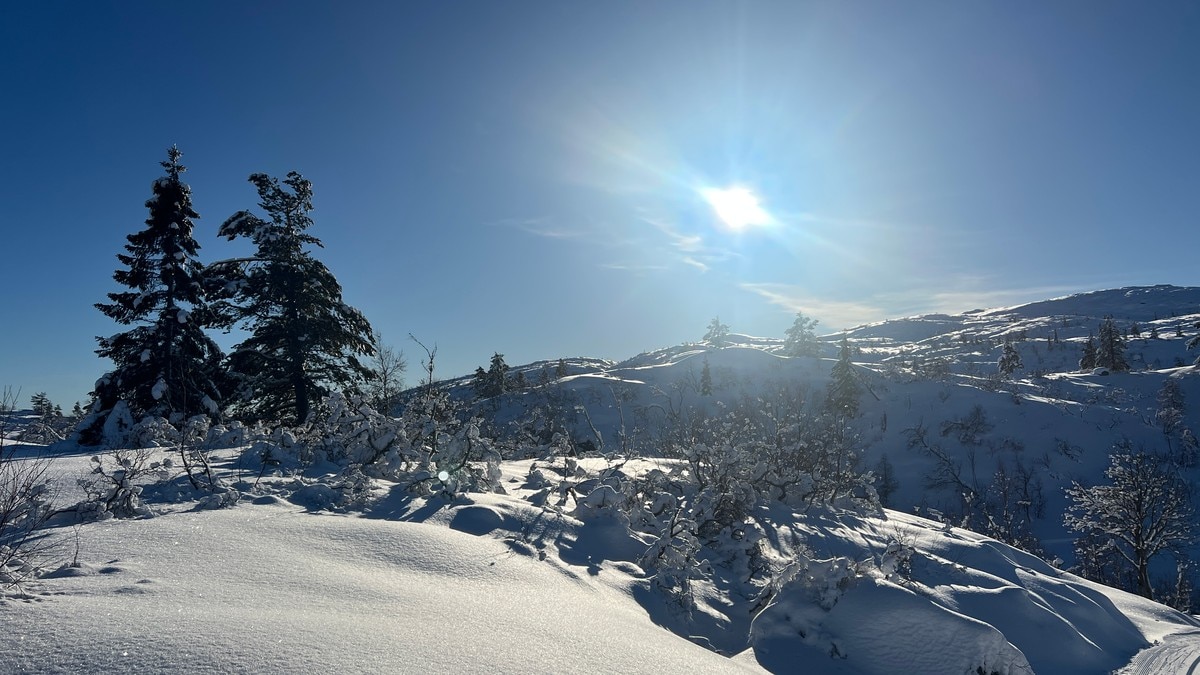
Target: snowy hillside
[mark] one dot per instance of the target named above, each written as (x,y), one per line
(929,373)
(639,516)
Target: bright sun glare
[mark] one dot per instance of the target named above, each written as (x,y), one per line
(737,207)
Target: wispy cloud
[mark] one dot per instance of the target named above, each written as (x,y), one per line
(833,314)
(889,305)
(689,248)
(663,242)
(542,227)
(970,293)
(633,267)
(961,301)
(686,243)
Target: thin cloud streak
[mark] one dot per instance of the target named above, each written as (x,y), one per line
(633,267)
(834,314)
(956,302)
(686,243)
(541,227)
(847,314)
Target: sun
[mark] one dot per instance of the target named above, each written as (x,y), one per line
(737,207)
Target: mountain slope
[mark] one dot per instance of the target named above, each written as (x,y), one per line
(932,391)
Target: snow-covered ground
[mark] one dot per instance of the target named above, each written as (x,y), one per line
(509,583)
(493,583)
(272,588)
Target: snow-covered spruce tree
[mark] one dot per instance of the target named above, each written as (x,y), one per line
(49,425)
(841,409)
(494,380)
(1146,509)
(165,365)
(717,334)
(1010,360)
(1110,353)
(304,338)
(842,396)
(1171,417)
(1088,360)
(41,406)
(801,338)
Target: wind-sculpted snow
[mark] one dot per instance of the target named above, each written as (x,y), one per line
(880,627)
(274,589)
(966,602)
(511,583)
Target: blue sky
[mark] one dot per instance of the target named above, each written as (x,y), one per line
(526,177)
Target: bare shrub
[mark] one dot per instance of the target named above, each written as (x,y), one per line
(25,494)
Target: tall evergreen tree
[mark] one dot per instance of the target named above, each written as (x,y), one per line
(840,457)
(1088,360)
(480,382)
(165,365)
(304,339)
(1110,352)
(801,338)
(1010,360)
(706,388)
(842,396)
(41,405)
(493,381)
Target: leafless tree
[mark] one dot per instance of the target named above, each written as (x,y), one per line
(387,380)
(1144,510)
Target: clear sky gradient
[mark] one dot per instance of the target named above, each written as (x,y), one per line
(527,177)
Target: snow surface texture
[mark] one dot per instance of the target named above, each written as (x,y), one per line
(495,584)
(271,588)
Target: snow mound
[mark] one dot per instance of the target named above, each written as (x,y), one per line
(259,588)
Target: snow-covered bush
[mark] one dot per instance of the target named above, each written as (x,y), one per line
(231,435)
(114,486)
(153,432)
(348,431)
(895,563)
(457,460)
(42,431)
(25,505)
(701,515)
(429,448)
(117,425)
